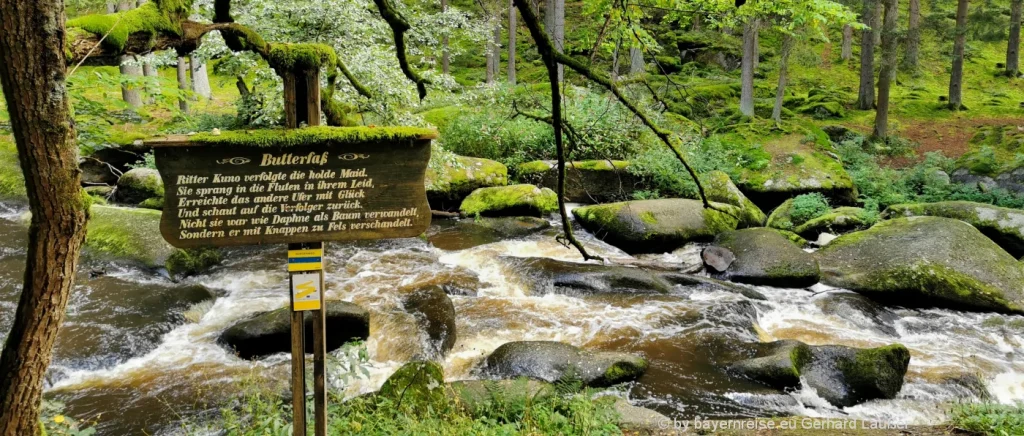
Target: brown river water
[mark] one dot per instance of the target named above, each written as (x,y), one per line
(128,354)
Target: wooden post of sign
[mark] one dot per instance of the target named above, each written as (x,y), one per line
(302,106)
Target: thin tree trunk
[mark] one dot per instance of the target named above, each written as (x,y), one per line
(636,61)
(757,48)
(152,85)
(558,31)
(200,78)
(615,60)
(787,47)
(866,95)
(1013,45)
(747,74)
(130,92)
(847,50)
(183,83)
(111,7)
(876,26)
(956,76)
(913,36)
(490,55)
(888,71)
(445,62)
(496,47)
(32,75)
(512,28)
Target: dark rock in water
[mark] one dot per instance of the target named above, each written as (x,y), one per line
(469,233)
(435,314)
(593,181)
(711,284)
(968,386)
(856,308)
(656,226)
(926,262)
(554,361)
(270,332)
(415,384)
(639,418)
(766,257)
(717,258)
(95,172)
(843,376)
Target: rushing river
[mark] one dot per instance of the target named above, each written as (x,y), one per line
(128,354)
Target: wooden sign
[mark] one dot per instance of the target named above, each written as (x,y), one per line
(293,186)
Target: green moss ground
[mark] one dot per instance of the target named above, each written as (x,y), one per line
(12,183)
(311,135)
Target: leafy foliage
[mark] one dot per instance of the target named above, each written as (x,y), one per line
(809,206)
(989,419)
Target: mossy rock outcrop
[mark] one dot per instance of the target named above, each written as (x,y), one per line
(132,234)
(415,385)
(591,181)
(267,333)
(12,181)
(843,376)
(1003,225)
(837,221)
(138,185)
(796,167)
(719,188)
(766,257)
(449,182)
(435,315)
(555,361)
(467,233)
(926,262)
(514,200)
(655,226)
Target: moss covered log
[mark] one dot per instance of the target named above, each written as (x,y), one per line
(311,135)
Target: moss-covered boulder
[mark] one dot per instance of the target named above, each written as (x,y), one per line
(654,226)
(796,167)
(12,182)
(837,221)
(843,376)
(926,261)
(120,233)
(415,385)
(554,361)
(435,315)
(450,180)
(591,181)
(514,200)
(766,257)
(138,185)
(461,234)
(267,333)
(184,263)
(719,188)
(1003,225)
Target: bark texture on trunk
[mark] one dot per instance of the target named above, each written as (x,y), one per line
(554,20)
(956,76)
(780,93)
(847,49)
(130,71)
(1013,45)
(615,60)
(32,74)
(200,79)
(445,63)
(636,60)
(183,83)
(512,28)
(913,36)
(890,36)
(866,95)
(747,66)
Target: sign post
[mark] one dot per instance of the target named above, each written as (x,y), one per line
(299,187)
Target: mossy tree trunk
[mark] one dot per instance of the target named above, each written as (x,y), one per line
(913,36)
(956,76)
(747,64)
(788,41)
(183,83)
(1013,44)
(846,52)
(33,74)
(866,95)
(512,27)
(890,36)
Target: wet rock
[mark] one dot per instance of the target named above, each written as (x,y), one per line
(435,315)
(858,310)
(514,200)
(639,418)
(101,191)
(1003,225)
(448,183)
(192,261)
(415,384)
(655,226)
(589,182)
(926,262)
(554,361)
(717,258)
(838,221)
(555,276)
(843,376)
(138,185)
(468,233)
(765,257)
(719,187)
(12,181)
(270,332)
(130,234)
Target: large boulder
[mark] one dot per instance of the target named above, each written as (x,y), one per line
(12,182)
(591,181)
(843,376)
(449,181)
(766,257)
(655,226)
(796,167)
(138,185)
(837,221)
(415,385)
(270,332)
(926,261)
(720,188)
(1002,225)
(132,234)
(435,315)
(468,233)
(514,200)
(554,361)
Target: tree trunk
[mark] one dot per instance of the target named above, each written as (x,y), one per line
(130,92)
(200,79)
(866,95)
(890,36)
(152,84)
(757,47)
(787,47)
(512,28)
(636,60)
(445,62)
(490,54)
(876,26)
(847,50)
(747,74)
(1013,46)
(32,75)
(615,60)
(183,84)
(111,7)
(913,36)
(557,30)
(956,76)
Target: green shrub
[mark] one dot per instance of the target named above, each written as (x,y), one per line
(809,206)
(664,175)
(988,419)
(492,134)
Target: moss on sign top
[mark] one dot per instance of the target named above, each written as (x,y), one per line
(311,135)
(298,57)
(151,19)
